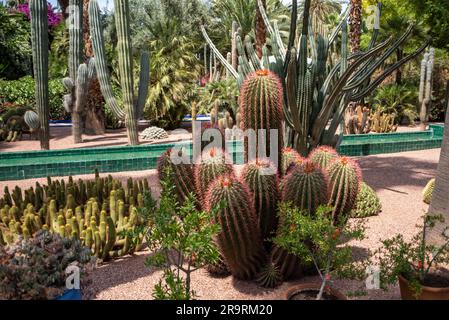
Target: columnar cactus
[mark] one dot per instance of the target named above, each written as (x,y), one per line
(263,182)
(305,187)
(323,156)
(345,180)
(39,41)
(214,163)
(133,107)
(182,175)
(261,100)
(425,86)
(290,159)
(240,240)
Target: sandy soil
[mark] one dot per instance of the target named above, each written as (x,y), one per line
(397,178)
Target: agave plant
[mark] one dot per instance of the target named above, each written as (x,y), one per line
(319,82)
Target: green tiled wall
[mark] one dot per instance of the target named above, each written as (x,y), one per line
(36,164)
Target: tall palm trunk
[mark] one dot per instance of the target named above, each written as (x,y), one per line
(355,24)
(261,30)
(94,118)
(440,199)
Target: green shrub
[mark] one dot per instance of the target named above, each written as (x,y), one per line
(367,204)
(22,93)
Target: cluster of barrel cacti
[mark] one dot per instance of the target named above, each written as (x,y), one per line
(248,217)
(102,213)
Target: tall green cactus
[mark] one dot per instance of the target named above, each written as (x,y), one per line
(425,86)
(317,85)
(261,109)
(39,41)
(345,179)
(132,107)
(263,182)
(240,239)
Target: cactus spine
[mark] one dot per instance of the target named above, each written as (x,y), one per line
(133,107)
(262,180)
(425,86)
(39,40)
(240,240)
(344,184)
(261,108)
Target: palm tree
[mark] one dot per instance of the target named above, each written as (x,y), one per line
(440,201)
(355,24)
(323,10)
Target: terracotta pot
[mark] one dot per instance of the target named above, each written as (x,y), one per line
(315,287)
(428,293)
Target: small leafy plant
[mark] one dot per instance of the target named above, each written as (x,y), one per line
(34,269)
(182,241)
(415,260)
(316,239)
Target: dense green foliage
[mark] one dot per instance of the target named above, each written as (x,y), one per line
(21,92)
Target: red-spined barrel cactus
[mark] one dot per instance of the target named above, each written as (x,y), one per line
(345,179)
(239,240)
(261,100)
(214,163)
(323,156)
(290,159)
(262,180)
(181,174)
(288,264)
(305,187)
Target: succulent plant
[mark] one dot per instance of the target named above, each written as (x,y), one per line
(214,163)
(261,100)
(427,193)
(263,182)
(367,204)
(239,240)
(323,156)
(31,118)
(305,187)
(290,159)
(288,264)
(345,179)
(154,133)
(183,175)
(270,276)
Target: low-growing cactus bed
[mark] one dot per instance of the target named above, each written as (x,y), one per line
(101,213)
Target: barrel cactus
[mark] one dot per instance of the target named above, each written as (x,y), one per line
(270,276)
(367,203)
(154,133)
(288,264)
(428,191)
(261,101)
(214,163)
(290,159)
(240,239)
(345,179)
(305,187)
(182,175)
(263,182)
(323,156)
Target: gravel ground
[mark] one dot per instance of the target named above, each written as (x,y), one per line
(398,180)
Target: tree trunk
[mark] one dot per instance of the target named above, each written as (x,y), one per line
(399,56)
(355,25)
(261,30)
(440,201)
(94,116)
